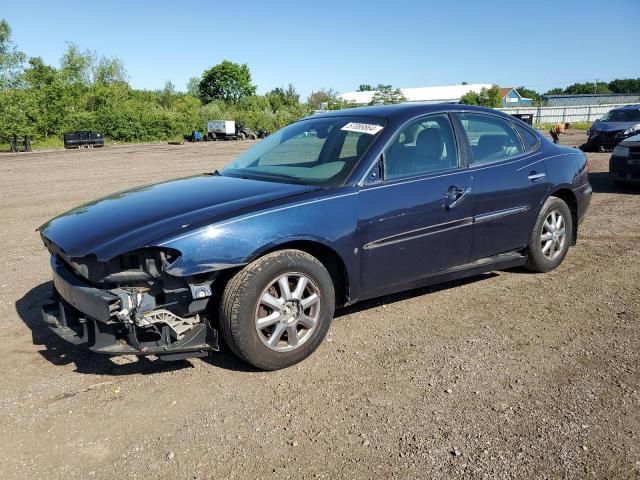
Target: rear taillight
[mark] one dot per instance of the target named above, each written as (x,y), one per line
(588,165)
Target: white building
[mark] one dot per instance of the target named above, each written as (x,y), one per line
(444,94)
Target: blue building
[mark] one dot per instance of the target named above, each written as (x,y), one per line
(511,98)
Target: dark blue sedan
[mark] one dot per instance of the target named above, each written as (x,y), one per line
(331,210)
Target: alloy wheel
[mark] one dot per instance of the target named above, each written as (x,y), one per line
(288,312)
(553,235)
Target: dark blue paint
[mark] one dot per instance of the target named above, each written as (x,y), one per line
(501,186)
(127,220)
(223,222)
(408,209)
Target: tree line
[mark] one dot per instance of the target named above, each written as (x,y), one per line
(87,91)
(91,92)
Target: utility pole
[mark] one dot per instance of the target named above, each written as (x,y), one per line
(595,87)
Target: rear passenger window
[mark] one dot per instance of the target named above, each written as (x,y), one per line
(492,139)
(529,138)
(424,146)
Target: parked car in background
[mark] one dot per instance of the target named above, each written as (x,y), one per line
(612,128)
(624,164)
(331,210)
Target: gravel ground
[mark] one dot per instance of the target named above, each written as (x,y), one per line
(506,375)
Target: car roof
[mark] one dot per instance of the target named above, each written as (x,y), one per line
(404,110)
(629,107)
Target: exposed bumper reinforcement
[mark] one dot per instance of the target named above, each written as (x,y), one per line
(122,339)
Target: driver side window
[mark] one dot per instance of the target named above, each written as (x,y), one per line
(424,146)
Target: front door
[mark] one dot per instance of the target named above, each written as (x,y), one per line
(418,219)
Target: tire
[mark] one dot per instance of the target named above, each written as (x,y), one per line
(272,346)
(538,259)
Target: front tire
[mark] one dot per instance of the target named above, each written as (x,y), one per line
(277,310)
(550,239)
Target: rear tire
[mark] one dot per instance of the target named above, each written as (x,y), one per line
(550,239)
(277,310)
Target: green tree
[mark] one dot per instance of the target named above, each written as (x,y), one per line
(109,70)
(193,87)
(529,93)
(279,97)
(226,81)
(46,98)
(11,59)
(76,66)
(626,85)
(365,87)
(487,97)
(167,94)
(587,88)
(38,74)
(318,97)
(555,91)
(386,94)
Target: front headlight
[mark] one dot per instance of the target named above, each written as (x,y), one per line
(631,130)
(621,151)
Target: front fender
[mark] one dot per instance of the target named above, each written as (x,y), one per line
(329,220)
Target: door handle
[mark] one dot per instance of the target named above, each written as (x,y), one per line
(533,176)
(455,196)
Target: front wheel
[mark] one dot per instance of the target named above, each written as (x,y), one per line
(551,236)
(278,309)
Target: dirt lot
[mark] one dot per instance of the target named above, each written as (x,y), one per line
(508,375)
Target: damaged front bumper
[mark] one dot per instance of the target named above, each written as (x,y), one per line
(116,322)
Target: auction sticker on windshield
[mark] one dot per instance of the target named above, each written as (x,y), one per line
(370,128)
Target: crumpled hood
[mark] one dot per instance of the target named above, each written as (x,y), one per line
(611,126)
(131,219)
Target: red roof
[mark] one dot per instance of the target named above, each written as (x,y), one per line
(505,91)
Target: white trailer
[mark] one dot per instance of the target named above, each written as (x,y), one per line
(221,129)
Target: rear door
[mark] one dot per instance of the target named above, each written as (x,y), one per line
(509,182)
(417,219)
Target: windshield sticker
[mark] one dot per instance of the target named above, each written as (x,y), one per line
(369,128)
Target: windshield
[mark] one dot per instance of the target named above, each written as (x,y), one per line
(622,116)
(314,151)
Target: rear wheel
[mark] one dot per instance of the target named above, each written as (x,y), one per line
(278,309)
(551,236)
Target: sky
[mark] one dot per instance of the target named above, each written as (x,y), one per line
(341,44)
